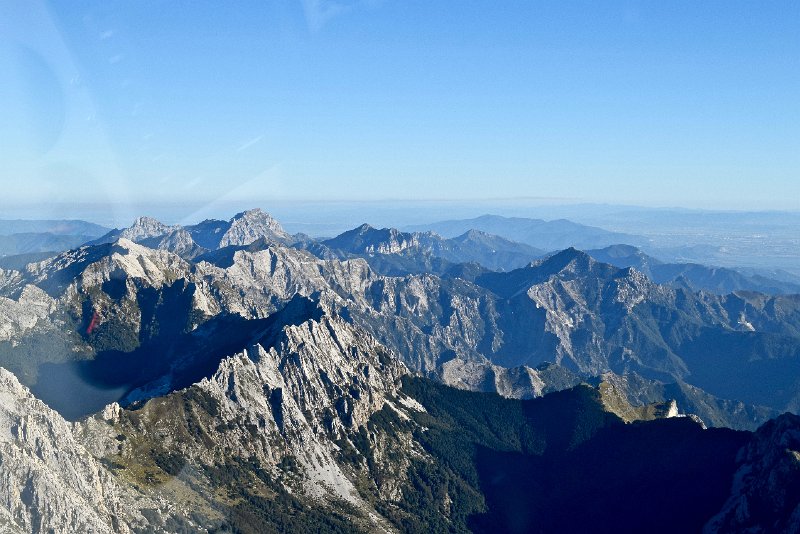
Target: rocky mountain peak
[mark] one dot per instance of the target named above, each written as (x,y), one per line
(298,387)
(570,259)
(364,228)
(259,216)
(473,234)
(250,225)
(365,239)
(145,227)
(144,222)
(141,229)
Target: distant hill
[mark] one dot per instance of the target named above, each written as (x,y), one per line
(720,280)
(547,235)
(32,243)
(53,227)
(37,236)
(18,262)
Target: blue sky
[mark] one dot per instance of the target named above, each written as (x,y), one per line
(673,103)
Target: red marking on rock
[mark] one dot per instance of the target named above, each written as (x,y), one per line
(92,324)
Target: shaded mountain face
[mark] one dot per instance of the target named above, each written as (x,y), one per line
(719,280)
(208,234)
(545,235)
(766,493)
(368,240)
(178,241)
(390,251)
(562,463)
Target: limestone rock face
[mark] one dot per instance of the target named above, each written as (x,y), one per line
(285,406)
(17,317)
(192,241)
(178,241)
(249,378)
(320,379)
(391,251)
(91,266)
(48,481)
(368,240)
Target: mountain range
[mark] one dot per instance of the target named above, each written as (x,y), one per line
(483,330)
(231,377)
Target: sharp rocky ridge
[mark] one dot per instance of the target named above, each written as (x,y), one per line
(285,400)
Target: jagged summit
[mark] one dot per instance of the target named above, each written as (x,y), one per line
(192,241)
(258,215)
(142,228)
(368,240)
(250,225)
(569,263)
(410,252)
(146,221)
(569,255)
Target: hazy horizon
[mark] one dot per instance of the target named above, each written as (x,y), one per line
(371,211)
